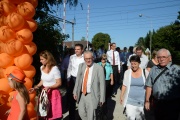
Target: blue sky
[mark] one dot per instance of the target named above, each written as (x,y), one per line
(119,18)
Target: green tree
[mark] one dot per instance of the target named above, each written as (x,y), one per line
(165,37)
(144,42)
(48,34)
(83,39)
(101,39)
(140,42)
(178,15)
(168,37)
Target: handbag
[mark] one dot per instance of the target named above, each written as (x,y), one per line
(44,104)
(100,113)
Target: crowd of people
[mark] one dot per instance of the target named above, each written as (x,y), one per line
(93,78)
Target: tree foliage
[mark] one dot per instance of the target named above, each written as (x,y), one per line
(48,35)
(178,15)
(169,37)
(141,42)
(101,39)
(165,37)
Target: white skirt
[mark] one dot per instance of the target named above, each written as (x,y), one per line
(134,112)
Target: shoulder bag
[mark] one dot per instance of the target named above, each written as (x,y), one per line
(44,104)
(151,99)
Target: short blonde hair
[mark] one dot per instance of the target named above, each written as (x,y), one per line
(104,56)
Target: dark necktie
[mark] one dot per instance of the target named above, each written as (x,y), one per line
(113,58)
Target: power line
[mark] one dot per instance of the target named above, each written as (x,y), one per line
(131,5)
(133,18)
(130,11)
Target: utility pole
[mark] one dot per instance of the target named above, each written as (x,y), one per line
(73,22)
(151,32)
(87,36)
(66,21)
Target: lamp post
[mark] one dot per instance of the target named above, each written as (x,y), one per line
(150,42)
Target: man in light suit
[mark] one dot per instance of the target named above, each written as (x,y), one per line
(95,89)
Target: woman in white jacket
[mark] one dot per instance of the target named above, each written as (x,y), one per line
(133,90)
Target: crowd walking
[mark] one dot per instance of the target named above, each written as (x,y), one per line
(149,89)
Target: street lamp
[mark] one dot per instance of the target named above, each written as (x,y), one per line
(150,42)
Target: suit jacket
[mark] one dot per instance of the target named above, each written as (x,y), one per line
(98,88)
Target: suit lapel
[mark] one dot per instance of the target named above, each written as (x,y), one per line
(93,73)
(83,70)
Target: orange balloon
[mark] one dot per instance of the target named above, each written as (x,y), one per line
(24,35)
(7,7)
(12,47)
(28,83)
(4,107)
(32,96)
(3,97)
(24,51)
(32,48)
(23,61)
(15,21)
(6,60)
(4,86)
(6,33)
(31,112)
(33,2)
(2,71)
(17,48)
(14,1)
(26,25)
(32,25)
(30,71)
(34,118)
(26,9)
(2,20)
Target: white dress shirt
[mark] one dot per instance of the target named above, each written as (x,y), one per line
(144,61)
(89,79)
(74,62)
(110,58)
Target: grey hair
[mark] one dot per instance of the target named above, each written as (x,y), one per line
(163,50)
(88,52)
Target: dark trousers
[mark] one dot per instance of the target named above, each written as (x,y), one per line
(116,78)
(108,95)
(108,89)
(167,109)
(71,101)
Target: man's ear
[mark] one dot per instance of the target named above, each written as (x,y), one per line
(170,58)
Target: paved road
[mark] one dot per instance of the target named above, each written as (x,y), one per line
(114,107)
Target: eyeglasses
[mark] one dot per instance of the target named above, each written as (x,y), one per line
(86,59)
(103,59)
(162,57)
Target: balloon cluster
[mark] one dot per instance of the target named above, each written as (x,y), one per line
(16,48)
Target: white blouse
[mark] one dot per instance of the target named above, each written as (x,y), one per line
(49,79)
